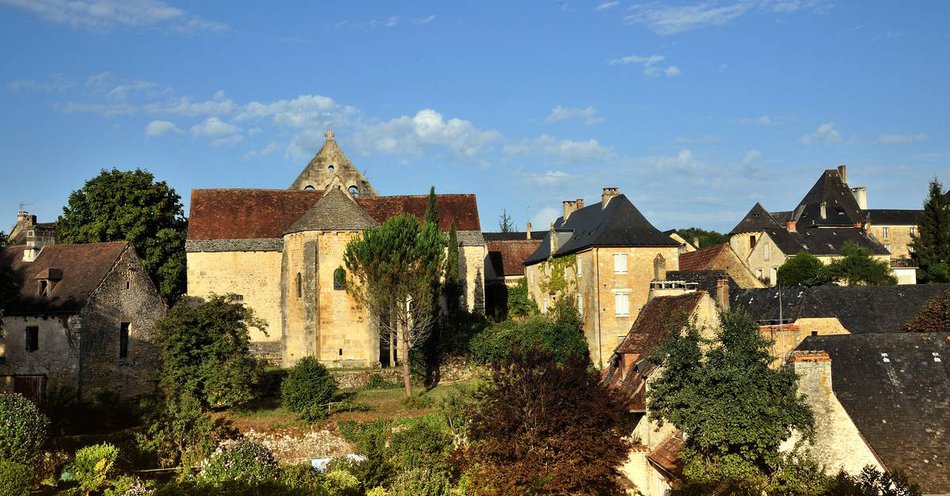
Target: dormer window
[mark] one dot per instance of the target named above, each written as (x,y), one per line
(354,191)
(47,280)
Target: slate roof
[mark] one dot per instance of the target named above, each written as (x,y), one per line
(81,267)
(828,241)
(334,211)
(860,309)
(269,213)
(756,220)
(893,217)
(619,224)
(901,406)
(507,257)
(841,209)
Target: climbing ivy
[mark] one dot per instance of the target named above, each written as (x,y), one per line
(553,279)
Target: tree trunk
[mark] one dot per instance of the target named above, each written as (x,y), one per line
(392,348)
(405,364)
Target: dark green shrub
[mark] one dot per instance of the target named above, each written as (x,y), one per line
(418,401)
(559,334)
(422,443)
(22,429)
(15,478)
(303,478)
(180,433)
(242,461)
(307,389)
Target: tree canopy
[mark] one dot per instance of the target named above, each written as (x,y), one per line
(396,267)
(733,408)
(9,287)
(131,206)
(802,269)
(205,349)
(706,238)
(934,317)
(931,243)
(857,268)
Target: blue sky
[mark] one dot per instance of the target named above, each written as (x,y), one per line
(695,110)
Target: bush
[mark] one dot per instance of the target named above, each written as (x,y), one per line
(92,467)
(423,443)
(377,381)
(422,481)
(243,461)
(342,483)
(22,429)
(418,401)
(560,335)
(307,389)
(180,433)
(15,478)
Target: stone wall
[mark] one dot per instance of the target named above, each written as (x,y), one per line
(898,239)
(471,263)
(765,259)
(255,275)
(57,356)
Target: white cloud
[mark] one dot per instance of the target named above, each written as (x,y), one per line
(270,149)
(542,220)
(607,5)
(102,15)
(825,134)
(650,63)
(545,179)
(752,157)
(214,127)
(703,140)
(893,139)
(567,151)
(683,161)
(305,111)
(423,20)
(388,22)
(762,120)
(667,20)
(57,83)
(185,106)
(228,140)
(158,128)
(106,109)
(586,115)
(426,130)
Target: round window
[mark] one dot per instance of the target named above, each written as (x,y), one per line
(331,168)
(309,188)
(354,191)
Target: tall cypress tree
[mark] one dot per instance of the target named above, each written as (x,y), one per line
(432,208)
(453,286)
(931,244)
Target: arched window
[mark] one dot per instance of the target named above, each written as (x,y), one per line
(309,187)
(339,279)
(354,191)
(299,283)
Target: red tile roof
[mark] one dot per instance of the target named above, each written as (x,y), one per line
(507,257)
(80,269)
(666,456)
(268,213)
(702,259)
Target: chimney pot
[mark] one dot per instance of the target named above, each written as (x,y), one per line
(608,193)
(696,242)
(529,231)
(722,293)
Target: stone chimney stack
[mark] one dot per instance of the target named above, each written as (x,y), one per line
(696,242)
(861,196)
(607,195)
(813,369)
(528,231)
(722,293)
(554,241)
(22,217)
(791,225)
(824,210)
(569,207)
(843,172)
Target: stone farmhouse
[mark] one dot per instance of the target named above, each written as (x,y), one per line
(85,320)
(830,215)
(603,258)
(281,253)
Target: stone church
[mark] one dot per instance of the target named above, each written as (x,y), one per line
(280,252)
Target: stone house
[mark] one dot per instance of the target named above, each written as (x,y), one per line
(720,257)
(880,399)
(28,231)
(504,266)
(603,258)
(830,214)
(281,253)
(85,320)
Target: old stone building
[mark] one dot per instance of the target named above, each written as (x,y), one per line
(85,320)
(28,231)
(719,257)
(281,253)
(829,215)
(603,258)
(504,266)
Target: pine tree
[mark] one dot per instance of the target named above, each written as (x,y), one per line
(931,244)
(504,222)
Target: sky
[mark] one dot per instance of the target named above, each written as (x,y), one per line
(695,110)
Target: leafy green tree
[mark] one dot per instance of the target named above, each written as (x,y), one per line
(432,209)
(131,206)
(857,268)
(396,267)
(931,243)
(802,269)
(733,408)
(22,429)
(706,238)
(520,304)
(545,427)
(181,433)
(558,334)
(205,349)
(504,222)
(307,389)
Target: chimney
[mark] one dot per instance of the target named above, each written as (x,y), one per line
(843,172)
(824,210)
(607,195)
(696,242)
(22,217)
(813,369)
(861,196)
(529,231)
(554,240)
(31,252)
(569,208)
(722,292)
(580,203)
(791,225)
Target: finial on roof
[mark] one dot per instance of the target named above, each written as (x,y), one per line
(328,134)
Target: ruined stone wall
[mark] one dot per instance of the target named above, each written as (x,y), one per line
(255,275)
(125,295)
(57,356)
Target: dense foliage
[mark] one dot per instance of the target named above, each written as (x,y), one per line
(520,304)
(802,269)
(545,427)
(131,206)
(307,389)
(205,352)
(706,238)
(733,408)
(243,461)
(9,288)
(931,243)
(934,317)
(179,432)
(558,334)
(396,268)
(857,268)
(15,478)
(22,429)
(92,467)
